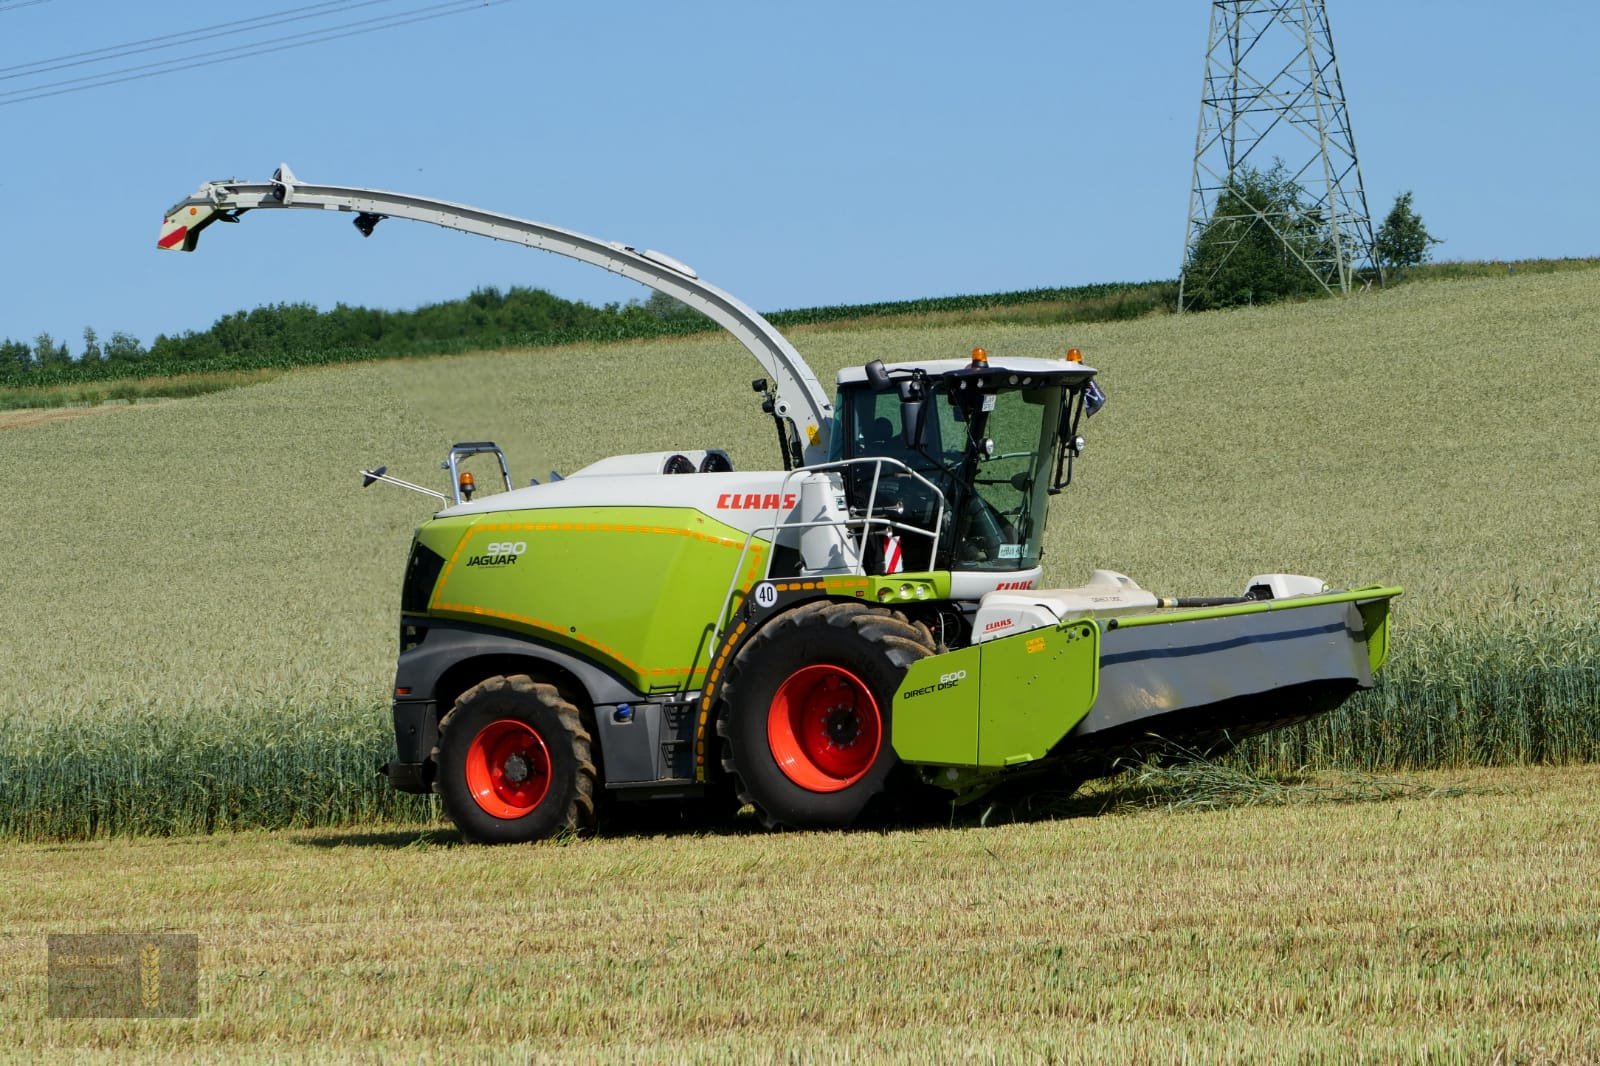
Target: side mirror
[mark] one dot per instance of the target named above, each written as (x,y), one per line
(877,376)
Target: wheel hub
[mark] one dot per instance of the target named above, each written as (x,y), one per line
(824,728)
(842,725)
(516,769)
(508,768)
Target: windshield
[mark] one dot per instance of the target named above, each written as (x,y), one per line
(987,452)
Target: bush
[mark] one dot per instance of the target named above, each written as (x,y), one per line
(1402,240)
(1259,245)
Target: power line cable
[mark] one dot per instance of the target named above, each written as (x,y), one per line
(172,66)
(173,40)
(7,8)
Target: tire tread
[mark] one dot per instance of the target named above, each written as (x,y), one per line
(901,642)
(579,814)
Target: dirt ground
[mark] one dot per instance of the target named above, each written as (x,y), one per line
(38,416)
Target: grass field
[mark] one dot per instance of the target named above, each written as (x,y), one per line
(1456,922)
(128,390)
(204,602)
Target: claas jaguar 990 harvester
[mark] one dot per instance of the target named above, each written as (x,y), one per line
(860,628)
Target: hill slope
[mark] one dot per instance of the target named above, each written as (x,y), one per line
(207,600)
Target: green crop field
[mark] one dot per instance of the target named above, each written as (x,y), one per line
(202,636)
(204,601)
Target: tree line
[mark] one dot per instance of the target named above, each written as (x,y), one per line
(1237,259)
(284,335)
(298,334)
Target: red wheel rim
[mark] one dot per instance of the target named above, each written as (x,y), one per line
(508,768)
(824,728)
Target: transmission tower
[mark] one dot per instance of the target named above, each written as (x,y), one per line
(1272,94)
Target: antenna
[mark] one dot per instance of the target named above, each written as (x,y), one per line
(1271,94)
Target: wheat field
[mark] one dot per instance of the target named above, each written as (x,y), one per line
(203,601)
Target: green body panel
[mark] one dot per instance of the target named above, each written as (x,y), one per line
(1375,620)
(1374,592)
(921,587)
(634,589)
(1036,687)
(935,718)
(998,704)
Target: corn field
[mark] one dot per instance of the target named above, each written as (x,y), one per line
(203,603)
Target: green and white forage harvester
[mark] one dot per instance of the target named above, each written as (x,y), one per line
(861,627)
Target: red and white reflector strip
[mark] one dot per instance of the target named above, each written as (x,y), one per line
(177,228)
(892,561)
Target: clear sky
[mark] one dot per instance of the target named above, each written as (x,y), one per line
(794,154)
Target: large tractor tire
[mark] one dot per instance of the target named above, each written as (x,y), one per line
(514,764)
(806,723)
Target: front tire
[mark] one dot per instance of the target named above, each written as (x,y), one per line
(806,728)
(514,763)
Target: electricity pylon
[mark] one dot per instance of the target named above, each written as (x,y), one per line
(1271,94)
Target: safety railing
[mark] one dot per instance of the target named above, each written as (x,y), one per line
(854,527)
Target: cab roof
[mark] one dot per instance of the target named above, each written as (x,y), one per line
(1023,366)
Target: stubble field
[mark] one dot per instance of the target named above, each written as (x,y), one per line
(1457,921)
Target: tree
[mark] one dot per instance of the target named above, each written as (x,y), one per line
(123,346)
(1403,240)
(1258,243)
(672,312)
(48,352)
(16,358)
(91,346)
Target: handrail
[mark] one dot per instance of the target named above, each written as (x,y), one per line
(864,522)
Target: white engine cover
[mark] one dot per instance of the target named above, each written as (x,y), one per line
(1285,585)
(1001,614)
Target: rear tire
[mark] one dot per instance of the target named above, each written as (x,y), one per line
(806,725)
(514,763)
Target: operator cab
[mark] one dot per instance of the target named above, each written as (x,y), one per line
(982,443)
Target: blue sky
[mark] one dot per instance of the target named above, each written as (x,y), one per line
(796,155)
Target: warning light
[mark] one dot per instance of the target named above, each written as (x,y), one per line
(1074,356)
(467,485)
(980,357)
